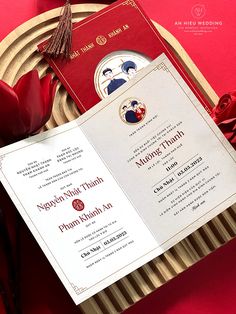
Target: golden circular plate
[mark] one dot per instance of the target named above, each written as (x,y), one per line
(18,55)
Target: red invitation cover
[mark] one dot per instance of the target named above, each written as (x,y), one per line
(108,49)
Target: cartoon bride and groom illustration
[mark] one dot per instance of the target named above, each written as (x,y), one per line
(134,113)
(128,67)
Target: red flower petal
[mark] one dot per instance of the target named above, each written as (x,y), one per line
(228,128)
(26,107)
(10,123)
(45,84)
(28,90)
(48,88)
(225,109)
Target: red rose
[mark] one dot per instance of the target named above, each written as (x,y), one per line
(224,115)
(228,128)
(225,109)
(26,107)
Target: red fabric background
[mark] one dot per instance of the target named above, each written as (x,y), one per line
(214,52)
(209,286)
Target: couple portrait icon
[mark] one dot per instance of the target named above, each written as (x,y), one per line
(134,113)
(128,67)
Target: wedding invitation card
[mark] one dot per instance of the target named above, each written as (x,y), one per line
(124,182)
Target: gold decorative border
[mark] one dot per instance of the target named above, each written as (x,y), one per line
(78,290)
(162,66)
(130,2)
(1,159)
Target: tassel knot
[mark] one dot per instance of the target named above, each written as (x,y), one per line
(59,44)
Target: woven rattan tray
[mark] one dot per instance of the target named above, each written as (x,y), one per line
(18,54)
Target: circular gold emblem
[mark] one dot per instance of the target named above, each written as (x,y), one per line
(101,40)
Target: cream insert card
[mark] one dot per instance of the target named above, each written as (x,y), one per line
(134,175)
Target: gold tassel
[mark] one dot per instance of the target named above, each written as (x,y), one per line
(59,44)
